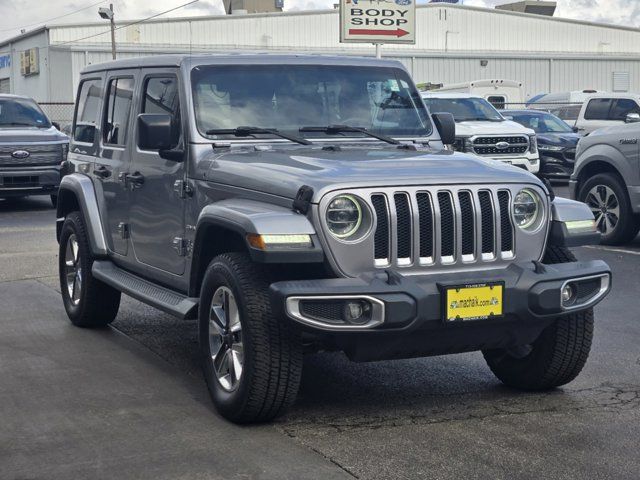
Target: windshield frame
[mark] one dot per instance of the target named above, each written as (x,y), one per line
(499,117)
(352,137)
(31,104)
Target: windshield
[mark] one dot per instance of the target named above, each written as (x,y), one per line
(21,112)
(290,97)
(464,109)
(541,122)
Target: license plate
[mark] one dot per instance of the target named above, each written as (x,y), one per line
(474,302)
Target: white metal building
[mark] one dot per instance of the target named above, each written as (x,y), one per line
(454,43)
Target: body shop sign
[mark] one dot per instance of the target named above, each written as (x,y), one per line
(378,21)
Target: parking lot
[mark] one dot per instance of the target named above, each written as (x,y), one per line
(129,401)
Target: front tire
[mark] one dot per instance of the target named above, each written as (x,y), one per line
(605,194)
(252,361)
(89,302)
(556,357)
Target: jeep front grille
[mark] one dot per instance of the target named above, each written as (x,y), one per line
(47,154)
(442,226)
(491,146)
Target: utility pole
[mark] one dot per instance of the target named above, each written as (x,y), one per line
(107,14)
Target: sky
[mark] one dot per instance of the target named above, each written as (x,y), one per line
(28,14)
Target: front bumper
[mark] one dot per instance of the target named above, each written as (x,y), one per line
(555,165)
(413,308)
(29,180)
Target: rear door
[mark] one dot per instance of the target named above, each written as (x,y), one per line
(595,115)
(158,204)
(112,164)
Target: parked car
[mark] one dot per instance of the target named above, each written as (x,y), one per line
(32,149)
(564,105)
(556,141)
(606,177)
(299,203)
(482,130)
(497,92)
(607,110)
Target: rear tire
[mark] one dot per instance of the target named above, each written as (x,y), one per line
(238,332)
(608,199)
(89,302)
(557,356)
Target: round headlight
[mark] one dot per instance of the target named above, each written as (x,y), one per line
(344,216)
(526,209)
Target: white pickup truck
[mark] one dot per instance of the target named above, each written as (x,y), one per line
(607,110)
(482,130)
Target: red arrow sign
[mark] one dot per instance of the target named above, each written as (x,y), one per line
(389,33)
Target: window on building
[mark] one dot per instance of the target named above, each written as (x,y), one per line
(87,112)
(116,118)
(598,109)
(622,107)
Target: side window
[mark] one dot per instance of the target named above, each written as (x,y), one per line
(116,118)
(87,112)
(161,95)
(622,107)
(598,109)
(497,101)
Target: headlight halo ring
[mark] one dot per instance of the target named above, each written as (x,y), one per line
(361,226)
(531,220)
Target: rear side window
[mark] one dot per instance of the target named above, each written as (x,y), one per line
(598,109)
(87,113)
(116,118)
(497,101)
(622,107)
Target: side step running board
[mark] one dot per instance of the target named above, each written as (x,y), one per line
(162,298)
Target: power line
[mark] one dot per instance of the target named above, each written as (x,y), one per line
(128,24)
(53,18)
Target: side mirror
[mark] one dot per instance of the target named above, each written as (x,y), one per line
(575,129)
(56,125)
(508,117)
(156,131)
(446,125)
(632,118)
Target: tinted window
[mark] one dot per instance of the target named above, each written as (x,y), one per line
(497,101)
(622,107)
(465,109)
(541,122)
(116,119)
(380,99)
(21,112)
(87,112)
(598,109)
(161,96)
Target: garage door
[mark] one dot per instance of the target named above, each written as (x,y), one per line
(5,85)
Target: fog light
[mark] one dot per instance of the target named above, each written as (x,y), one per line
(357,311)
(568,295)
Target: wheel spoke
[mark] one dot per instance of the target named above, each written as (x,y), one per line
(236,361)
(75,251)
(217,321)
(609,223)
(75,291)
(221,362)
(225,338)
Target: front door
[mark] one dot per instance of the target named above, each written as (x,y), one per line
(157,209)
(112,163)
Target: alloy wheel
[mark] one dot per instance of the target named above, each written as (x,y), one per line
(605,206)
(225,339)
(73,270)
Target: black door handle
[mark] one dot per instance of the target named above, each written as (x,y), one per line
(102,172)
(136,179)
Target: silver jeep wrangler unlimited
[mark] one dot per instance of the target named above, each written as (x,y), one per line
(302,203)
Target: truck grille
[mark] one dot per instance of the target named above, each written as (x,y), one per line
(491,146)
(442,226)
(48,154)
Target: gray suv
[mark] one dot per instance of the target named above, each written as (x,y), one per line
(606,177)
(294,204)
(32,150)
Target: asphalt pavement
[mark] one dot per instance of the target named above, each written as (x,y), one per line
(129,402)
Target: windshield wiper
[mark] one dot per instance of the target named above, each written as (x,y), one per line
(334,129)
(249,131)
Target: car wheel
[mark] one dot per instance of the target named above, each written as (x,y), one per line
(252,361)
(54,200)
(556,357)
(605,194)
(88,301)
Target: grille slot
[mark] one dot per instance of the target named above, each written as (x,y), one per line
(425,217)
(468,223)
(381,235)
(488,224)
(506,227)
(403,235)
(489,145)
(441,227)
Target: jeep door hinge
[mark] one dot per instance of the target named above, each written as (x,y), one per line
(123,230)
(182,246)
(182,188)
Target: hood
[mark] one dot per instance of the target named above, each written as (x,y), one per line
(283,171)
(19,135)
(621,129)
(558,139)
(507,127)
